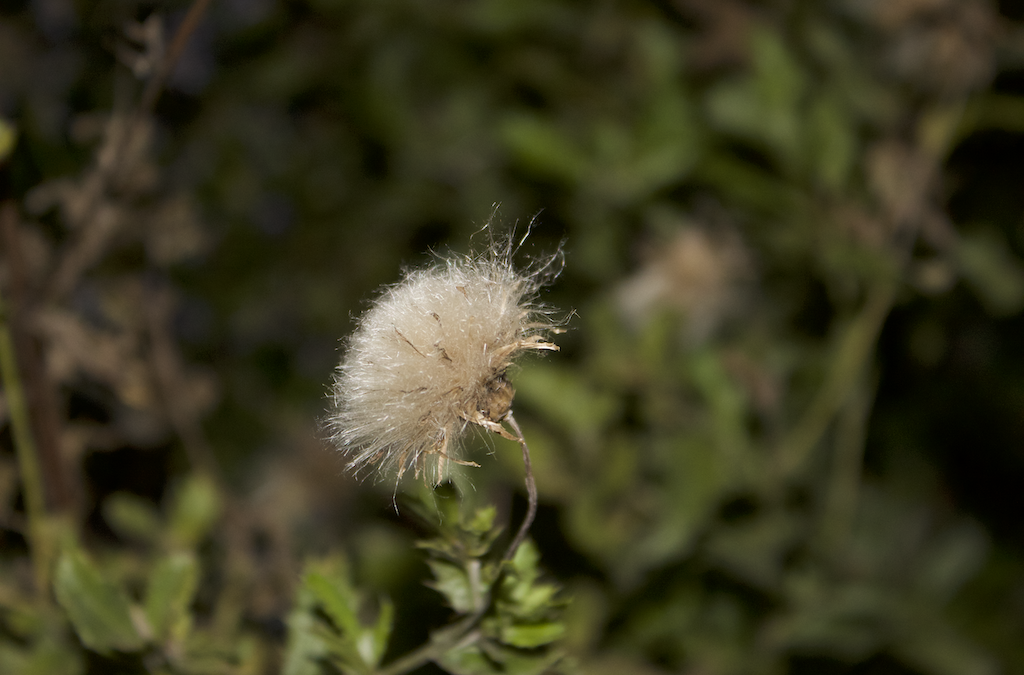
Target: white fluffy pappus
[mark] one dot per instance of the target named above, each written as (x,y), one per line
(430,357)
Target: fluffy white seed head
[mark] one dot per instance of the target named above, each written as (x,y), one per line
(430,358)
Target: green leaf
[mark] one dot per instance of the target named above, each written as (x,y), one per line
(952,559)
(732,106)
(98,609)
(468,660)
(12,659)
(755,550)
(540,146)
(172,585)
(525,561)
(832,143)
(565,398)
(350,643)
(304,646)
(45,657)
(697,474)
(992,271)
(482,521)
(454,584)
(195,509)
(132,517)
(764,107)
(518,662)
(459,537)
(936,650)
(529,636)
(521,595)
(488,658)
(337,599)
(780,86)
(380,635)
(8,137)
(751,186)
(726,401)
(849,621)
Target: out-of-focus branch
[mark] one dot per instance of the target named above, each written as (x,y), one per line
(170,59)
(24,444)
(847,371)
(847,467)
(124,140)
(58,488)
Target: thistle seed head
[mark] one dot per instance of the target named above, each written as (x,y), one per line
(430,358)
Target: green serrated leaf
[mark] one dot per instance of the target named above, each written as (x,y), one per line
(337,599)
(97,608)
(530,636)
(489,658)
(482,521)
(345,652)
(172,585)
(132,516)
(468,660)
(525,561)
(381,632)
(304,646)
(518,662)
(454,584)
(195,509)
(532,600)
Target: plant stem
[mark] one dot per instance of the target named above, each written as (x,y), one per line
(531,491)
(465,630)
(172,55)
(855,349)
(840,507)
(28,463)
(435,648)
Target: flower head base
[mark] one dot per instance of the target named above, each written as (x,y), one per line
(430,358)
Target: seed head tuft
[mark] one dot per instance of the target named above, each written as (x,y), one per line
(430,358)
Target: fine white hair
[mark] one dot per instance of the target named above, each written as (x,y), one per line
(429,358)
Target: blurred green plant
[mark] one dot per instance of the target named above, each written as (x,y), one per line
(505,618)
(768,236)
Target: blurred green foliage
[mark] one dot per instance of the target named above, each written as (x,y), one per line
(783,434)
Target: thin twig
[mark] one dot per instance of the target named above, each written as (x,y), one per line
(170,59)
(60,491)
(847,468)
(463,631)
(855,350)
(28,463)
(95,233)
(531,491)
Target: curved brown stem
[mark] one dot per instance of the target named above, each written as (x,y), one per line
(531,490)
